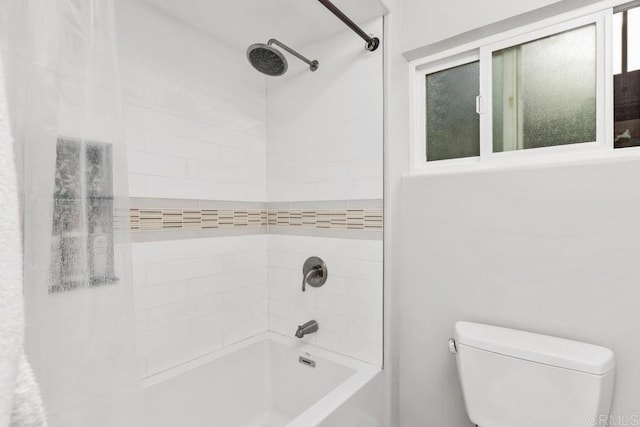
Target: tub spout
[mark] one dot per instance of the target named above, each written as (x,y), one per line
(308,328)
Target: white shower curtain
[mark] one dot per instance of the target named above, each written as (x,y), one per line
(65,102)
(20,402)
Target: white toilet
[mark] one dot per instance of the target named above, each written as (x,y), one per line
(513,378)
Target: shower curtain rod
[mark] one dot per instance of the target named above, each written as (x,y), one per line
(372,42)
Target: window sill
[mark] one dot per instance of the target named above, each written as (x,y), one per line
(474,165)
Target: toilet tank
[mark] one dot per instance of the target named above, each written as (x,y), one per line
(513,378)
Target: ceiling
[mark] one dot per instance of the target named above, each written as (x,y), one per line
(243,22)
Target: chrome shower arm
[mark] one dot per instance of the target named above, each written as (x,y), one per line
(313,64)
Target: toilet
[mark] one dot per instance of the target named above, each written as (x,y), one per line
(513,378)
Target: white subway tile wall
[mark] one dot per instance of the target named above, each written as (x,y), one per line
(348,307)
(195,118)
(196,296)
(194,111)
(325,128)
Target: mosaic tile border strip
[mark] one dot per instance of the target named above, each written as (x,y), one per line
(351,219)
(159,219)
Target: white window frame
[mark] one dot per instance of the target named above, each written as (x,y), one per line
(483,50)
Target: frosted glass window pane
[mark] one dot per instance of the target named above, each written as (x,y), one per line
(544,92)
(453,126)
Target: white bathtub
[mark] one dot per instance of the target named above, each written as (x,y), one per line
(261,382)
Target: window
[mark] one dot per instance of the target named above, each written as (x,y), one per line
(626,78)
(452,123)
(514,96)
(544,91)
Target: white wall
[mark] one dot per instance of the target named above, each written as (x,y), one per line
(429,21)
(196,296)
(325,127)
(553,250)
(194,111)
(348,307)
(550,250)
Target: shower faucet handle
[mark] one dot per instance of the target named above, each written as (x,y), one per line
(305,278)
(314,273)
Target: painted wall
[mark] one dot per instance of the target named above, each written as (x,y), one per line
(550,249)
(427,22)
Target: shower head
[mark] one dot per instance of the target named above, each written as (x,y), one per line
(267,59)
(270,61)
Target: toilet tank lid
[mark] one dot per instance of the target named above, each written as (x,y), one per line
(553,351)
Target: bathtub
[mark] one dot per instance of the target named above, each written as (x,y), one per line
(266,381)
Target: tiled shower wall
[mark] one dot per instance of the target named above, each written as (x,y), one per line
(196,129)
(196,126)
(194,112)
(325,144)
(325,128)
(194,296)
(348,307)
